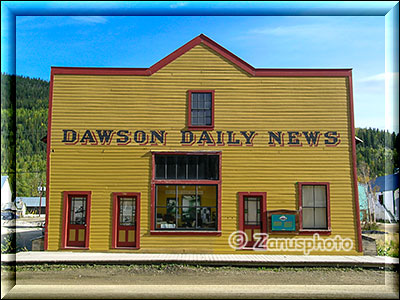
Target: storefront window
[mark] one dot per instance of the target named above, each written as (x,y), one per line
(186,207)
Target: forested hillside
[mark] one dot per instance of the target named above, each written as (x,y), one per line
(31,100)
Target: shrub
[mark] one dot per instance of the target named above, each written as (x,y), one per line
(8,245)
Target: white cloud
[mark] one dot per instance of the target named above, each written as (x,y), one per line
(310,30)
(90,19)
(178,4)
(377,77)
(380,77)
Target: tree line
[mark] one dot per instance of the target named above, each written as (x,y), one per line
(24,104)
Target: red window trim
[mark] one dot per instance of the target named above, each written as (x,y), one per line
(187,232)
(263,195)
(189,117)
(64,235)
(115,196)
(328,210)
(154,182)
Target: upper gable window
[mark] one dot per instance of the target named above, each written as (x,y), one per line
(201,110)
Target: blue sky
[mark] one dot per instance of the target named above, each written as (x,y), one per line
(262,41)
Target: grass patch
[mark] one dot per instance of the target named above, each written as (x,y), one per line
(371,226)
(387,248)
(175,268)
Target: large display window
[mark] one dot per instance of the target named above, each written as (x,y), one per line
(186,191)
(186,207)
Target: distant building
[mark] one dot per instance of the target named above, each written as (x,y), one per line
(363,201)
(387,197)
(30,205)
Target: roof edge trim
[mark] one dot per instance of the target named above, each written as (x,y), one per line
(202,39)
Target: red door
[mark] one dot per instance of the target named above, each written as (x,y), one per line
(126,223)
(77,220)
(253,218)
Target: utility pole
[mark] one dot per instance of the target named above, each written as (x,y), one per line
(41,189)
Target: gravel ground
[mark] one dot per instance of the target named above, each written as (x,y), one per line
(189,275)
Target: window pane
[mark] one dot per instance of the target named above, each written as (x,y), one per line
(187,218)
(163,193)
(206,217)
(203,166)
(188,203)
(78,210)
(171,167)
(160,166)
(165,218)
(201,100)
(213,167)
(320,218)
(207,103)
(308,196)
(192,167)
(207,195)
(181,163)
(194,117)
(187,195)
(252,211)
(166,206)
(194,101)
(127,211)
(308,218)
(200,114)
(320,196)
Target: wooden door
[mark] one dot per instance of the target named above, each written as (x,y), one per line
(77,221)
(252,222)
(126,223)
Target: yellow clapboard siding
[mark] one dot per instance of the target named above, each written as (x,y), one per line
(159,102)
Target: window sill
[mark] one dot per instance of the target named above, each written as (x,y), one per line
(192,233)
(312,232)
(125,248)
(74,248)
(201,127)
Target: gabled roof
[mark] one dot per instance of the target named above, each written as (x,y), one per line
(386,183)
(201,39)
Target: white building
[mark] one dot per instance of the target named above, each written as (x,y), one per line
(387,197)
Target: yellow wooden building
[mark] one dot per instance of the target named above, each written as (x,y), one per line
(202,153)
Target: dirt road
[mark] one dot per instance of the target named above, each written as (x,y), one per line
(189,275)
